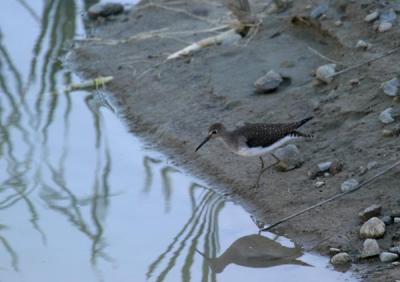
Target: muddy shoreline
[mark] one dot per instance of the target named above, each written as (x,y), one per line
(170,105)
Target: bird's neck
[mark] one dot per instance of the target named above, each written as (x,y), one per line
(229,140)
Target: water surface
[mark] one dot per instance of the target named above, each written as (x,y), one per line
(82,200)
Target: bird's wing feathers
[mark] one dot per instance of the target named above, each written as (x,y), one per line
(264,135)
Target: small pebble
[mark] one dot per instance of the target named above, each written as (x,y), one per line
(370,248)
(371,211)
(386,116)
(373,228)
(341,258)
(372,16)
(395,250)
(387,219)
(354,82)
(395,213)
(269,82)
(390,87)
(383,27)
(338,23)
(325,73)
(396,220)
(361,44)
(396,263)
(324,166)
(362,170)
(319,184)
(334,251)
(391,132)
(349,185)
(105,10)
(372,164)
(388,257)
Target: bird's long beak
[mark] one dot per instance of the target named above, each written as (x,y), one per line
(204,142)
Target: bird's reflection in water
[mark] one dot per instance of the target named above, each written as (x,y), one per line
(256,251)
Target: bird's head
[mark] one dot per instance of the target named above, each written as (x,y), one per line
(214,131)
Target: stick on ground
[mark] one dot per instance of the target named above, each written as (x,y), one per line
(373,178)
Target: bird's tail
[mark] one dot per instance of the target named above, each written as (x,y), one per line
(303,121)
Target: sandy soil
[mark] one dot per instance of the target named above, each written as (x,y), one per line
(171,104)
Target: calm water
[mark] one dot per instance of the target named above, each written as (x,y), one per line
(82,200)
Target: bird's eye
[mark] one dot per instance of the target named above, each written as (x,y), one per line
(214,132)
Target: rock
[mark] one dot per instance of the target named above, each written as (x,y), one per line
(105,10)
(334,251)
(319,184)
(349,185)
(338,23)
(372,16)
(371,165)
(388,16)
(396,219)
(390,87)
(386,116)
(319,11)
(391,132)
(361,44)
(387,219)
(325,73)
(269,82)
(395,213)
(396,263)
(395,250)
(290,157)
(370,248)
(341,258)
(362,170)
(369,212)
(373,228)
(354,82)
(388,257)
(324,166)
(383,27)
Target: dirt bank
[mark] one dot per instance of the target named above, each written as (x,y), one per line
(172,103)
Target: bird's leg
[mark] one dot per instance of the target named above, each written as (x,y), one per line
(261,172)
(276,158)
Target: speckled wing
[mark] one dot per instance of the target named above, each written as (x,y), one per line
(264,135)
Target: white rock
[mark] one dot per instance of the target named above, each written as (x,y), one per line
(373,228)
(325,73)
(370,248)
(385,26)
(290,157)
(386,116)
(319,184)
(395,250)
(338,23)
(391,87)
(268,82)
(324,166)
(372,16)
(396,220)
(361,44)
(388,257)
(349,185)
(341,258)
(371,165)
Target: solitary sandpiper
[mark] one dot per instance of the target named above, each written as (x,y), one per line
(256,139)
